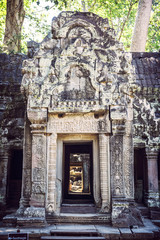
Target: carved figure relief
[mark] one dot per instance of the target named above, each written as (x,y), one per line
(82,67)
(78,85)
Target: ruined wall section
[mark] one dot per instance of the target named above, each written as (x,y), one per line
(12,108)
(147,99)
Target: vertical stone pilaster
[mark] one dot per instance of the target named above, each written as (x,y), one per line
(4,161)
(152,194)
(124,211)
(38,119)
(38,168)
(128,162)
(117,166)
(104,172)
(51,195)
(27,160)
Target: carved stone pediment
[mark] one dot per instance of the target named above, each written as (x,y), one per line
(81,68)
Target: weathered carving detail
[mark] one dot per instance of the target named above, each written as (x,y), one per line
(38,174)
(104,172)
(38,187)
(34,212)
(80,124)
(51,198)
(38,170)
(117,166)
(27,182)
(81,69)
(146,124)
(38,151)
(128,166)
(79,82)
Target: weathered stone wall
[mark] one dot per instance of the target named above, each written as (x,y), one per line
(12,108)
(147,99)
(147,121)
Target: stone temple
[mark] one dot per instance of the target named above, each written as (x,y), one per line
(80,130)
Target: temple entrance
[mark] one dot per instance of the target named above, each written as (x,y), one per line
(14,179)
(78,173)
(140,169)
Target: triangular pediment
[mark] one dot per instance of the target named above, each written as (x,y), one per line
(82,67)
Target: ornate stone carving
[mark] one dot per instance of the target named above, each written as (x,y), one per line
(146,124)
(80,124)
(79,81)
(51,196)
(128,167)
(117,166)
(81,68)
(38,187)
(34,212)
(104,172)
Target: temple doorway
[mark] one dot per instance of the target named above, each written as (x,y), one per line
(140,171)
(14,178)
(78,173)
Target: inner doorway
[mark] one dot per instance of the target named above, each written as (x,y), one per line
(14,178)
(78,173)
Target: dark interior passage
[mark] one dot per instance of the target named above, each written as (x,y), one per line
(14,178)
(140,173)
(78,176)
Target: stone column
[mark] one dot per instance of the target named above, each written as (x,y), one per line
(51,191)
(104,172)
(124,211)
(4,161)
(152,194)
(128,161)
(26,174)
(38,119)
(117,166)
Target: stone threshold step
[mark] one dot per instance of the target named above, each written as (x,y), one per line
(78,205)
(78,232)
(71,238)
(156,222)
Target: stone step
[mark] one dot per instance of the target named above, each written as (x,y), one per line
(156,222)
(144,211)
(78,208)
(71,238)
(78,232)
(155,214)
(79,218)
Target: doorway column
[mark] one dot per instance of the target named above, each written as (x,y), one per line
(38,118)
(152,195)
(26,174)
(104,171)
(51,188)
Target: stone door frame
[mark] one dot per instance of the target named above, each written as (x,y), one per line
(78,128)
(78,138)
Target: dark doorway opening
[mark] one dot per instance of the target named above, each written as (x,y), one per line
(159,171)
(14,178)
(78,173)
(140,173)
